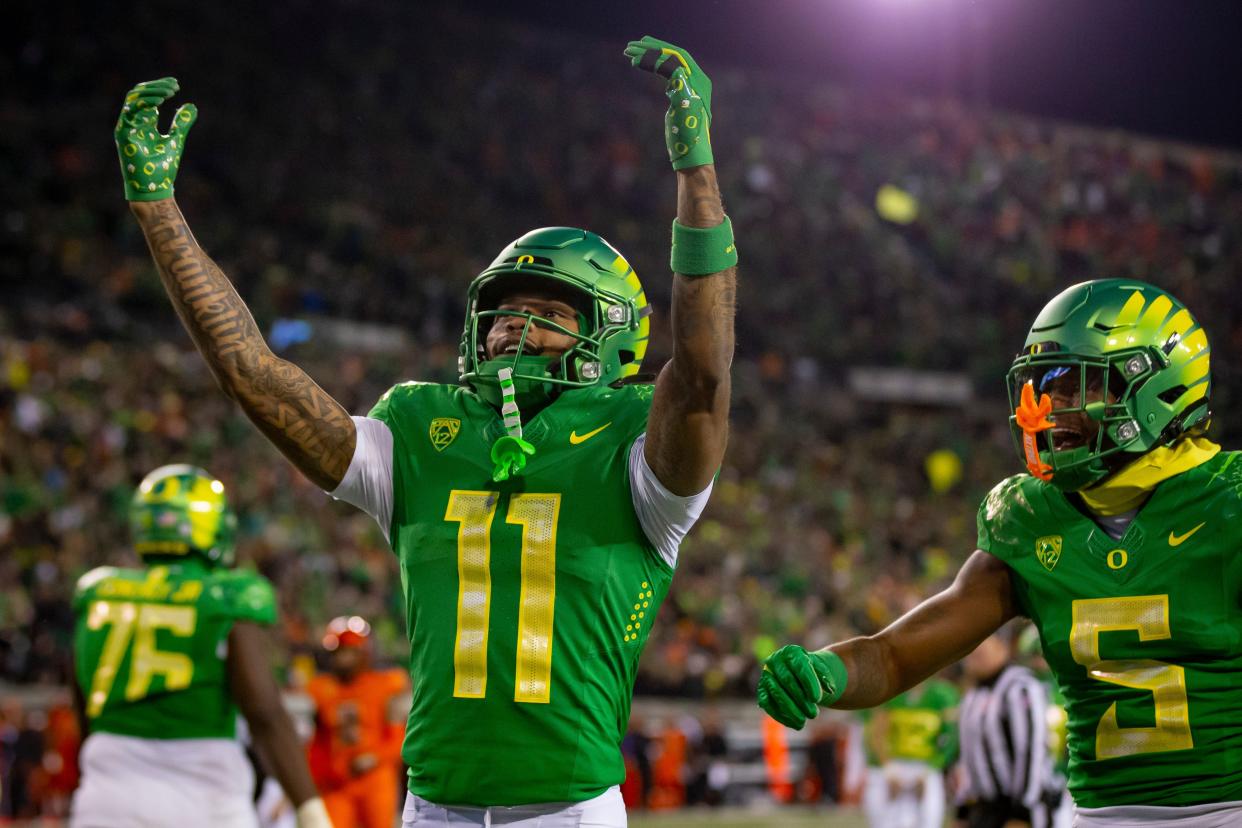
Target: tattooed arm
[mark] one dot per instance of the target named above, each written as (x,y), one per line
(688,426)
(299,417)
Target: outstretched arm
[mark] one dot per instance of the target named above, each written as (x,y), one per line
(299,417)
(688,426)
(938,632)
(870,670)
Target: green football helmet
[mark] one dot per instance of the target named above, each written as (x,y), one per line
(182,510)
(613,316)
(1126,354)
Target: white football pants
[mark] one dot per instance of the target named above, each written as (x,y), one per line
(190,783)
(604,811)
(904,794)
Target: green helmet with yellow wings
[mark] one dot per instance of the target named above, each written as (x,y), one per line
(613,323)
(181,510)
(1133,359)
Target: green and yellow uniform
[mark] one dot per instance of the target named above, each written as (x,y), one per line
(1144,633)
(528,601)
(150,647)
(920,725)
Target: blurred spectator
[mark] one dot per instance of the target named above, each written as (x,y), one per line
(824,762)
(636,752)
(708,772)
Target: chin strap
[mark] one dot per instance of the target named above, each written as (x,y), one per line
(1032,418)
(509,453)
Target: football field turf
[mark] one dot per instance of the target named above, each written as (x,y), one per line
(731,818)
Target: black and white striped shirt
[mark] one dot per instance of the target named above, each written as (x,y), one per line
(1004,744)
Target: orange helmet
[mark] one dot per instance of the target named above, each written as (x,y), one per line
(343,631)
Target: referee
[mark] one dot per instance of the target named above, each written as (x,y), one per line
(1006,768)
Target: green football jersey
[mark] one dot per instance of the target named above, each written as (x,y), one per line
(528,601)
(150,646)
(1143,634)
(920,724)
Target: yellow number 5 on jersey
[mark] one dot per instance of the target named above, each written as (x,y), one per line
(537,515)
(1149,616)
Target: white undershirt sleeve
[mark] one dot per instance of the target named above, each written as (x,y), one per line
(666,518)
(367,483)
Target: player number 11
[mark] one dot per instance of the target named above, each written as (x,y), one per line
(537,515)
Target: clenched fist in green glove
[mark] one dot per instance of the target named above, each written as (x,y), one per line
(149,160)
(795,683)
(687,124)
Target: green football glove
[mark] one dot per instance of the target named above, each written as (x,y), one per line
(687,124)
(149,160)
(795,683)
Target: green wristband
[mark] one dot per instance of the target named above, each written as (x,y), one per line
(701,251)
(830,670)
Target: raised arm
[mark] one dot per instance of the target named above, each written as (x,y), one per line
(688,426)
(300,418)
(870,670)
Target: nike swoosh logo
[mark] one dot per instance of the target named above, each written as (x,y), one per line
(575,439)
(1178,540)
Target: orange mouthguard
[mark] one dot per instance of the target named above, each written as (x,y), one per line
(1032,418)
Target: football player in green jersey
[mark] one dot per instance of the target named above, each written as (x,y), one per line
(537,506)
(1120,544)
(911,740)
(164,657)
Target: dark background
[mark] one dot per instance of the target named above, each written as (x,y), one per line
(1154,66)
(1163,67)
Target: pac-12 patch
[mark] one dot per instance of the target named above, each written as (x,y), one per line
(443,432)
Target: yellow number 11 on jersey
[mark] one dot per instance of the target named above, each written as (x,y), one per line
(537,515)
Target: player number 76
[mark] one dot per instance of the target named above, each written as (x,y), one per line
(139,623)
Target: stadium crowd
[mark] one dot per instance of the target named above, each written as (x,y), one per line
(359,194)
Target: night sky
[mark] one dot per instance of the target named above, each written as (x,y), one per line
(1167,68)
(1170,68)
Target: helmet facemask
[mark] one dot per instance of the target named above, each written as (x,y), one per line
(537,378)
(1111,392)
(1129,368)
(600,351)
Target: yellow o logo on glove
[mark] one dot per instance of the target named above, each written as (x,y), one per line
(691,122)
(148,168)
(131,150)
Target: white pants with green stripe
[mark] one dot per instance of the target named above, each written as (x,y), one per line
(604,811)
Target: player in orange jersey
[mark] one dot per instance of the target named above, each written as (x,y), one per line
(355,755)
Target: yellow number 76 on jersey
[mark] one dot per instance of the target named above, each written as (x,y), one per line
(537,515)
(1149,616)
(139,623)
